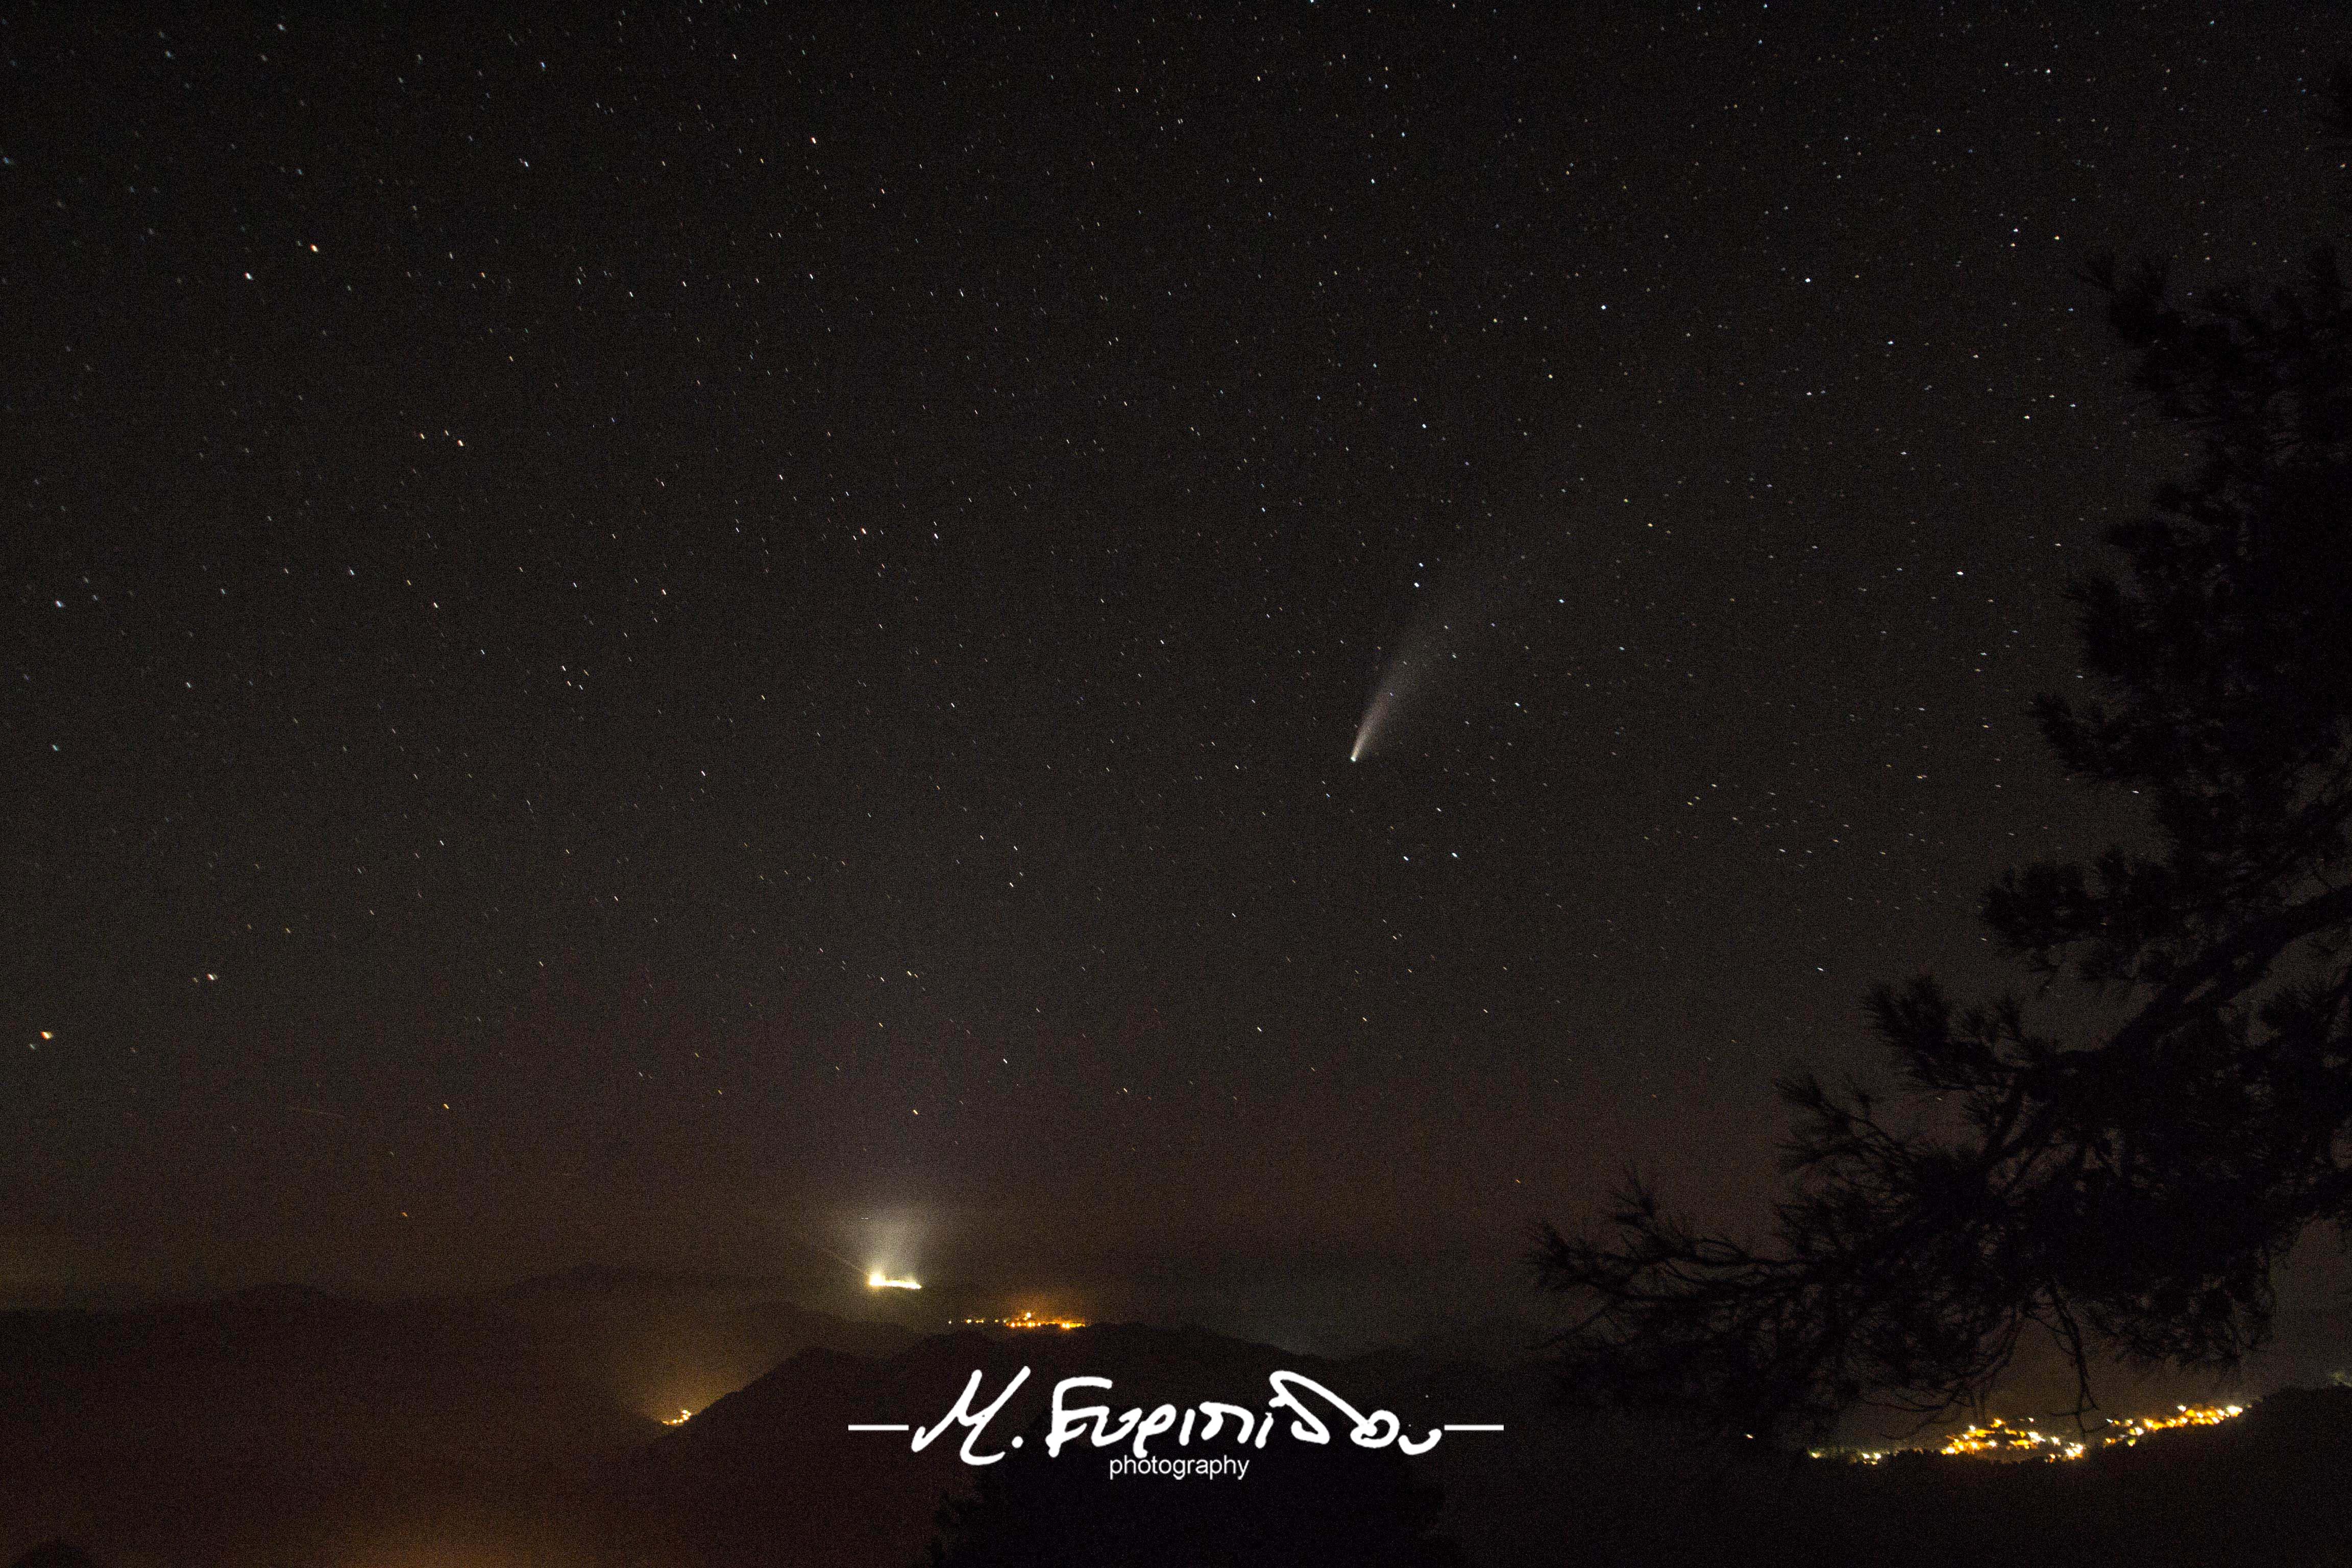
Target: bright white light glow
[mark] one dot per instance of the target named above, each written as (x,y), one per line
(877,1280)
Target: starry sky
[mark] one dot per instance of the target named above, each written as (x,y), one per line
(730,638)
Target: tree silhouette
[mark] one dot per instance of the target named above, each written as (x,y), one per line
(2133,1191)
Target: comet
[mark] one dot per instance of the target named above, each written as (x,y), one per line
(1426,650)
(1442,644)
(1405,675)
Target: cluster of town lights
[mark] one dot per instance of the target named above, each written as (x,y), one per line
(1024,1320)
(1997,1439)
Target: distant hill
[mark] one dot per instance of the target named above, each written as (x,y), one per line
(663,1341)
(599,1281)
(289,1416)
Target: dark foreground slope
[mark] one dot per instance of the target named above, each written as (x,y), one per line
(285,1424)
(773,1476)
(289,1428)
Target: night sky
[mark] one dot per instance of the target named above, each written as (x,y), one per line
(722,636)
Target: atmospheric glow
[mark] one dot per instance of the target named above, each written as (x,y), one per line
(878,1281)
